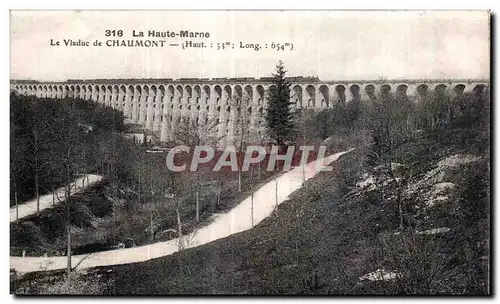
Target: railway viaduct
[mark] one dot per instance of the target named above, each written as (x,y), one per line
(159,105)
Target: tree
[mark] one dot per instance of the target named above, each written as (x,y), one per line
(70,149)
(241,138)
(38,155)
(192,133)
(381,122)
(280,117)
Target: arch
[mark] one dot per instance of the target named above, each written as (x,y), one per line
(107,94)
(161,90)
(137,94)
(197,93)
(440,91)
(171,93)
(459,89)
(113,95)
(272,87)
(441,88)
(238,93)
(297,90)
(152,94)
(152,89)
(311,95)
(355,89)
(324,95)
(248,94)
(179,90)
(122,92)
(385,89)
(227,92)
(138,90)
(218,93)
(189,93)
(206,89)
(402,90)
(340,90)
(260,94)
(422,89)
(478,89)
(161,93)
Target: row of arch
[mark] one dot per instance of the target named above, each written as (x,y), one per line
(307,95)
(325,96)
(161,108)
(191,93)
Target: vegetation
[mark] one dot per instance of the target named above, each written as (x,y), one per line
(45,132)
(279,116)
(407,212)
(139,200)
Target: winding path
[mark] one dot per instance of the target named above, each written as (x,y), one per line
(236,220)
(28,208)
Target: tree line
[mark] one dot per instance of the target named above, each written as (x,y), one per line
(52,140)
(288,123)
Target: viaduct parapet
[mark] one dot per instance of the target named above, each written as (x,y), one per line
(161,104)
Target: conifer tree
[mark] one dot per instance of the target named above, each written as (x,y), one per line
(279,116)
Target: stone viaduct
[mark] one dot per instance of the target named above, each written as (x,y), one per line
(159,105)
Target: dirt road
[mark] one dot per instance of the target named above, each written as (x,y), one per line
(236,220)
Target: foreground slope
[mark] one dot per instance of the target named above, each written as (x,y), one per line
(341,234)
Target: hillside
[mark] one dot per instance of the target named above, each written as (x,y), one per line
(341,234)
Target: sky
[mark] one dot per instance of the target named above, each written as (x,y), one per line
(333,45)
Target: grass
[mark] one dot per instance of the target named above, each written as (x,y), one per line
(101,219)
(325,239)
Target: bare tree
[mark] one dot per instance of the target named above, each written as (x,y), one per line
(381,151)
(276,194)
(192,133)
(36,156)
(242,127)
(70,144)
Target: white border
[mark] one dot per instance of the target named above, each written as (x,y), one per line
(494,5)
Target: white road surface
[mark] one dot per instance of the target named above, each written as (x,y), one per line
(234,221)
(46,201)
